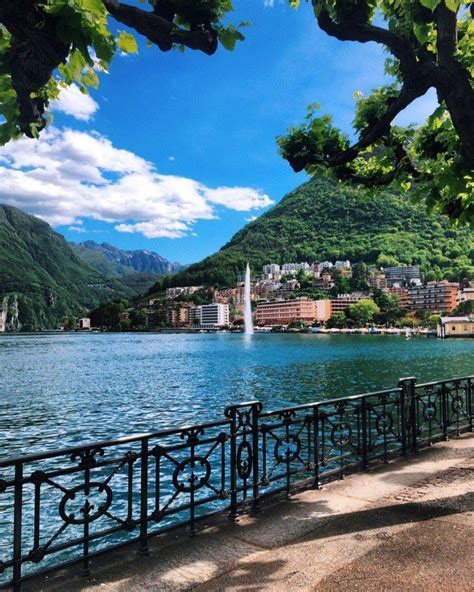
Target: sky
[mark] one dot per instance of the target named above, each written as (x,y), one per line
(175,152)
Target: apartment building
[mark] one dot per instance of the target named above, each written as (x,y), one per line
(211,316)
(284,312)
(343,301)
(404,300)
(440,297)
(403,273)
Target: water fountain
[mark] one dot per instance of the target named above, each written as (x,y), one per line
(248,323)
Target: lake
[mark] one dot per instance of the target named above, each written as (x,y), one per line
(61,389)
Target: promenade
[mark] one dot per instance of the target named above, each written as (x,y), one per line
(404,526)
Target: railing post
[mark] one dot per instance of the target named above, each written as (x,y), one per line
(244,417)
(17,527)
(143,548)
(469,404)
(444,410)
(256,408)
(231,414)
(316,458)
(409,415)
(365,451)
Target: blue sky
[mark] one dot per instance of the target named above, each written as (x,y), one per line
(196,124)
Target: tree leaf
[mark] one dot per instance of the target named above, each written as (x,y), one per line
(127,42)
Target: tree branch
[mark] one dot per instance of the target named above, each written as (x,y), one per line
(366,32)
(381,127)
(160,30)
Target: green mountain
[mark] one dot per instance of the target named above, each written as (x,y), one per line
(41,279)
(327,220)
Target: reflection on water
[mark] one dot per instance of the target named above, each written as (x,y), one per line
(57,390)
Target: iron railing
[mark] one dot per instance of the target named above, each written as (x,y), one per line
(68,505)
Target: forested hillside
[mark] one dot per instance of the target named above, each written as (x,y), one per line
(326,220)
(41,279)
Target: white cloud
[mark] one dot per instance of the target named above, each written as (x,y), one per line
(251,218)
(76,229)
(171,158)
(73,102)
(67,176)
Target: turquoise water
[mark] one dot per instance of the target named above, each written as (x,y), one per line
(58,390)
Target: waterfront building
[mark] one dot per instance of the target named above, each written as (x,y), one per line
(163,313)
(440,297)
(343,264)
(84,324)
(455,327)
(343,301)
(403,273)
(322,310)
(284,312)
(211,316)
(404,300)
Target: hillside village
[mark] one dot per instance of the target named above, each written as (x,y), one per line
(325,295)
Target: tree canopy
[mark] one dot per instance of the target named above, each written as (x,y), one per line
(46,45)
(430,44)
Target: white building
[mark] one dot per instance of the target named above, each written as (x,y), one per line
(271,269)
(175,292)
(295,267)
(85,324)
(326,264)
(211,316)
(343,264)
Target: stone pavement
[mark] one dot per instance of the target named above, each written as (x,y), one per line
(405,526)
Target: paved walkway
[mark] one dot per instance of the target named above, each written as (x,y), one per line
(406,526)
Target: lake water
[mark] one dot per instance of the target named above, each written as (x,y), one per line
(60,389)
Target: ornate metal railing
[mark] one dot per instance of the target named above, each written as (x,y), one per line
(70,505)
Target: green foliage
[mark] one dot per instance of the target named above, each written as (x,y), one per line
(109,315)
(465,308)
(82,26)
(38,268)
(328,220)
(432,162)
(433,320)
(363,312)
(337,321)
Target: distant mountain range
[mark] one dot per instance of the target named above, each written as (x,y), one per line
(44,279)
(326,220)
(116,262)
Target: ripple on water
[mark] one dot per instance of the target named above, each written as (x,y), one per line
(58,390)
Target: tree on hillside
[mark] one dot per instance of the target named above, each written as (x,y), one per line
(429,43)
(46,45)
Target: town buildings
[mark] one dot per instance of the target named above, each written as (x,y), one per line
(436,297)
(184,290)
(343,301)
(455,327)
(284,312)
(408,274)
(211,316)
(85,324)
